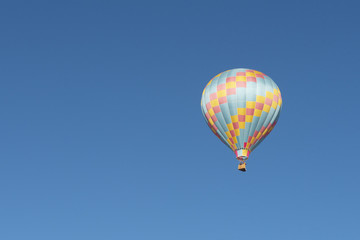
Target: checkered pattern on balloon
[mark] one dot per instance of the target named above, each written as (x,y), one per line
(241,107)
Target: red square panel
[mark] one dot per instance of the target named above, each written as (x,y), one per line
(231,91)
(241,118)
(221,87)
(240,74)
(249,111)
(213,96)
(251,79)
(259,106)
(222,100)
(268,101)
(217,109)
(241,84)
(214,118)
(275,98)
(230,79)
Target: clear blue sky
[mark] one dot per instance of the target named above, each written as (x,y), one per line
(102,136)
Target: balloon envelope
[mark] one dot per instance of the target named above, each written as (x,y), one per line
(241,107)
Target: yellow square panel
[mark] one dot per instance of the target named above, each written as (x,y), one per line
(241,111)
(269,95)
(211,121)
(260,99)
(214,103)
(242,125)
(276,91)
(266,108)
(221,93)
(274,104)
(237,132)
(230,85)
(228,134)
(257,112)
(258,135)
(230,126)
(211,112)
(250,104)
(250,74)
(235,140)
(240,78)
(248,118)
(234,118)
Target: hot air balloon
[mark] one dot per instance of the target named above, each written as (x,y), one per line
(241,107)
